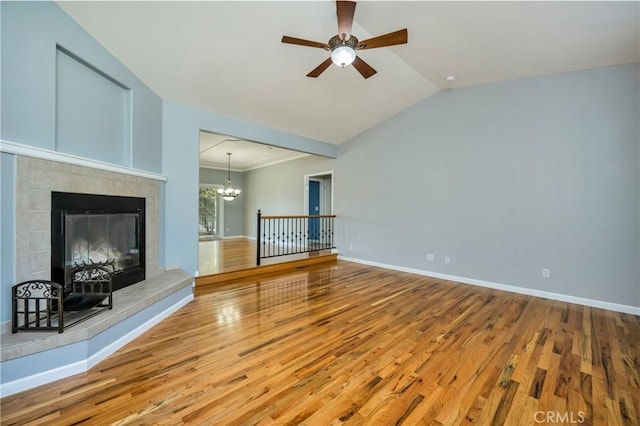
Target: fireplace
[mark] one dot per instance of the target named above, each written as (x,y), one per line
(88,228)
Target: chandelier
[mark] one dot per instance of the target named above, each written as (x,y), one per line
(228,193)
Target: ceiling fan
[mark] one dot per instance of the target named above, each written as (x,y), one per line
(344,45)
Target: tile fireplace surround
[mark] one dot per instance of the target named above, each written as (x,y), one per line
(36,179)
(136,308)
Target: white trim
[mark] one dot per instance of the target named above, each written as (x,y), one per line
(260,166)
(236,237)
(504,287)
(273,163)
(61,372)
(47,154)
(213,167)
(42,378)
(305,190)
(5,327)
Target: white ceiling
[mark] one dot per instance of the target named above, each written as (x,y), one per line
(226,57)
(245,155)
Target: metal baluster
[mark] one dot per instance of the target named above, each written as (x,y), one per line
(258,236)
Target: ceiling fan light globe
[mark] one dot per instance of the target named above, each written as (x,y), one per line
(343,55)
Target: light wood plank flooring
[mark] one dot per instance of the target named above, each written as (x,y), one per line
(351,344)
(221,256)
(217,256)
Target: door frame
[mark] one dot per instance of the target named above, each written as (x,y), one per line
(323,195)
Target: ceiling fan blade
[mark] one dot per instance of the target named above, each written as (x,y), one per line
(345,11)
(391,39)
(363,68)
(302,42)
(320,68)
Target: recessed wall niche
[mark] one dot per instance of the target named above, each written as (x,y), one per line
(93,111)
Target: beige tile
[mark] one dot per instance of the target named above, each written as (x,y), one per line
(39,240)
(39,178)
(121,188)
(39,221)
(95,186)
(22,197)
(40,199)
(37,163)
(60,181)
(39,261)
(60,167)
(80,170)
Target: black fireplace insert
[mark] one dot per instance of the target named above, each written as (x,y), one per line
(90,229)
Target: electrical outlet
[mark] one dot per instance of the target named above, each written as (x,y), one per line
(350,246)
(429,257)
(447,260)
(546,273)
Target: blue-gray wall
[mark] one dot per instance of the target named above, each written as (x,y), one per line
(233,210)
(31,32)
(506,179)
(7,232)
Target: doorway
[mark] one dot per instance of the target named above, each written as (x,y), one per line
(318,193)
(318,200)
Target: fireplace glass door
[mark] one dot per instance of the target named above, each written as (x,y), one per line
(100,238)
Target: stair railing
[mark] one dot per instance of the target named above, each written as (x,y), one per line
(287,235)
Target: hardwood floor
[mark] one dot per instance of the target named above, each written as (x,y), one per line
(222,256)
(351,344)
(216,256)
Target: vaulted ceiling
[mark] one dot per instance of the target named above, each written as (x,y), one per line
(227,57)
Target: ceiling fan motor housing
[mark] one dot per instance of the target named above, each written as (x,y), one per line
(337,41)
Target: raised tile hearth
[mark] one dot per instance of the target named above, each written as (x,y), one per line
(126,303)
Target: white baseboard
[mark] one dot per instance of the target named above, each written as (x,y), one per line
(235,237)
(61,372)
(634,310)
(40,379)
(5,327)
